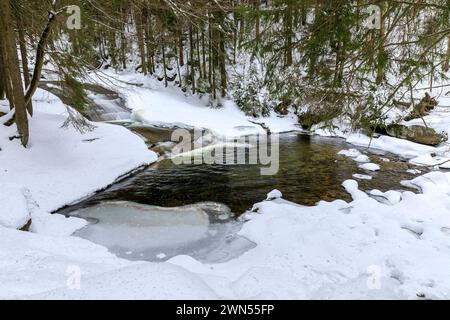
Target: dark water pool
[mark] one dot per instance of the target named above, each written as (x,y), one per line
(310,171)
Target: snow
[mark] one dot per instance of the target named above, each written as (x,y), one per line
(355,154)
(363,249)
(362,158)
(57,167)
(390,244)
(352,153)
(362,176)
(402,148)
(370,167)
(274,194)
(154,104)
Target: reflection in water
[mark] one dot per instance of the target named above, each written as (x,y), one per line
(310,171)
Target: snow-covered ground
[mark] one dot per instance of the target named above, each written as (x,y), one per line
(363,249)
(154,104)
(61,165)
(380,245)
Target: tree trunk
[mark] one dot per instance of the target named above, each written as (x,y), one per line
(140,38)
(288,37)
(12,71)
(123,40)
(149,42)
(40,58)
(2,72)
(447,60)
(164,63)
(380,64)
(181,48)
(24,56)
(191,58)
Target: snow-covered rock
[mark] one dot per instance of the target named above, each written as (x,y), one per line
(370,167)
(274,194)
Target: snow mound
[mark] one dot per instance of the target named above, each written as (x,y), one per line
(274,194)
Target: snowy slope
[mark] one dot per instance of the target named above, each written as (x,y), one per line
(154,104)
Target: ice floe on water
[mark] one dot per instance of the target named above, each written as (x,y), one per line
(205,231)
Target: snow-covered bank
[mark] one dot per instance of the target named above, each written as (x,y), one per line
(61,165)
(394,248)
(154,104)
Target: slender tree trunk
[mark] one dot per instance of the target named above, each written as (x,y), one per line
(288,35)
(149,42)
(212,59)
(39,61)
(204,52)
(2,72)
(191,58)
(222,65)
(123,40)
(447,60)
(12,74)
(179,72)
(24,56)
(181,48)
(199,58)
(140,38)
(112,49)
(164,63)
(257,4)
(380,64)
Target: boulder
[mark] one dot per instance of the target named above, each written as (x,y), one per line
(416,133)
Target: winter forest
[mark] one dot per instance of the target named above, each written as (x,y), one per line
(224,149)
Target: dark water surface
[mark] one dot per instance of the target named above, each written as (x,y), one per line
(310,171)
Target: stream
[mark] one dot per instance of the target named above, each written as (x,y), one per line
(168,210)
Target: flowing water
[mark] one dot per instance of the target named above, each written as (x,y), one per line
(128,218)
(310,171)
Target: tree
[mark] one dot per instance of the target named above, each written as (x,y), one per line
(13,78)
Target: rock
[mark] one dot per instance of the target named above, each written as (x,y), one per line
(370,167)
(275,194)
(352,153)
(154,134)
(283,107)
(163,147)
(317,115)
(416,133)
(422,109)
(362,158)
(27,226)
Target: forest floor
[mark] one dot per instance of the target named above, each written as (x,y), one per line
(395,248)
